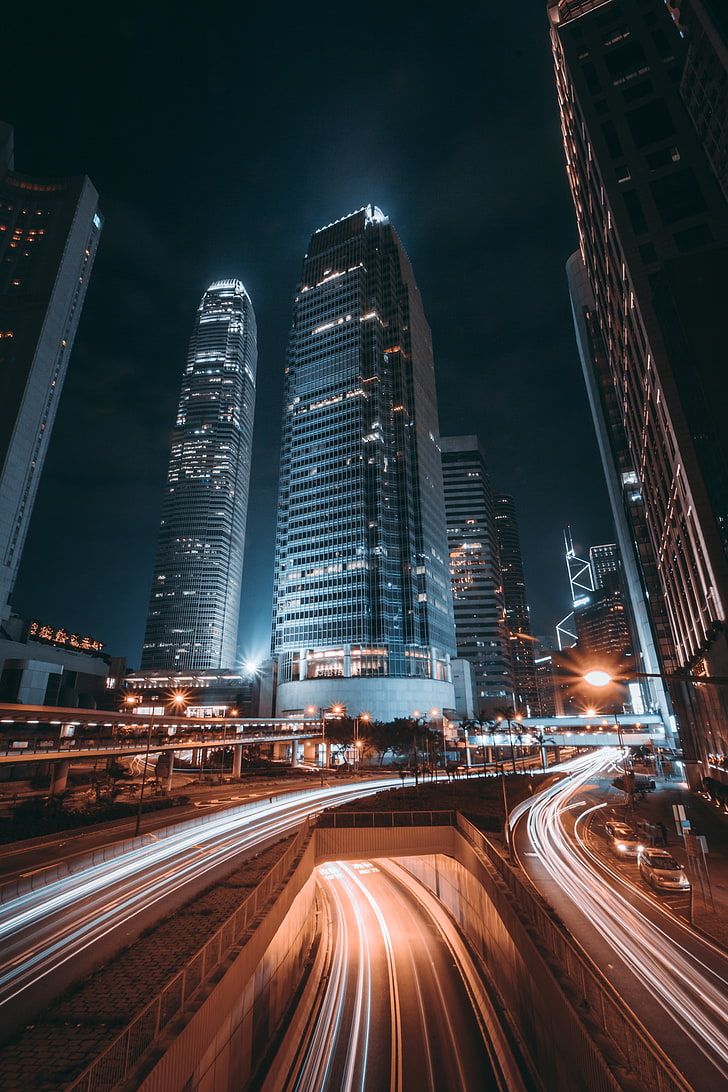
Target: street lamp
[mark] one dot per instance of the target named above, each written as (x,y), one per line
(144,780)
(366,717)
(499,720)
(434,714)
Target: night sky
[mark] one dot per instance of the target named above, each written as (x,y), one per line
(218,143)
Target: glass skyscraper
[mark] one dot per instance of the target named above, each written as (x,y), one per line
(518,615)
(648,294)
(195,598)
(49,233)
(362,601)
(480,626)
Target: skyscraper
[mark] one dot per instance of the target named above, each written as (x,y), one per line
(650,313)
(605,565)
(195,598)
(704,80)
(49,232)
(362,601)
(518,616)
(480,627)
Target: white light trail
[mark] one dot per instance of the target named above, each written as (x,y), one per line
(692,992)
(43,929)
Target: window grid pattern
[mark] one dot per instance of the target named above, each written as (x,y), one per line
(49,233)
(195,598)
(361,582)
(656,433)
(480,625)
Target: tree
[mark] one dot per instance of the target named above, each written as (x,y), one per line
(393,738)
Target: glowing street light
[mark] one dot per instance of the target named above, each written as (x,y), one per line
(598,677)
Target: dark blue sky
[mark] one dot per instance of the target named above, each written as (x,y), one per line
(218,143)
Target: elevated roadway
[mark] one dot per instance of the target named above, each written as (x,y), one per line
(43,733)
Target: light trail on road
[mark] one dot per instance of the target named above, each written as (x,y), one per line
(42,930)
(687,976)
(395,1010)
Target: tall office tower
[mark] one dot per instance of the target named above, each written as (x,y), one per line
(649,307)
(49,232)
(362,601)
(603,630)
(704,81)
(480,629)
(518,616)
(605,565)
(195,598)
(603,623)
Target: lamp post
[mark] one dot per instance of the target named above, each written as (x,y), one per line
(144,780)
(506,828)
(434,714)
(366,717)
(499,720)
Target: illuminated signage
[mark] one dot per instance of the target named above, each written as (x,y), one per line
(61,638)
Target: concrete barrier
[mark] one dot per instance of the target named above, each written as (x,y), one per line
(569,1022)
(42,877)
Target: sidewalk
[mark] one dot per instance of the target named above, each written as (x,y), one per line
(705,819)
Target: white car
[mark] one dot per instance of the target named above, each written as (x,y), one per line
(622,839)
(661,871)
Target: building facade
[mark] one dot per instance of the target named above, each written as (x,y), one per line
(194,606)
(653,239)
(606,565)
(480,625)
(362,602)
(518,615)
(704,81)
(49,233)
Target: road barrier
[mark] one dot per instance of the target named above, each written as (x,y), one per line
(116,1063)
(597,998)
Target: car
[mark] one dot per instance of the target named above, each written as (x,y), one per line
(660,869)
(621,839)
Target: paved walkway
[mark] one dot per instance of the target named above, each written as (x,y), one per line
(705,819)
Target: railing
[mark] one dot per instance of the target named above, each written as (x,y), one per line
(369,819)
(642,1054)
(117,1061)
(67,748)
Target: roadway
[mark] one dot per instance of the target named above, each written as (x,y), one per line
(394,1008)
(674,980)
(23,858)
(52,937)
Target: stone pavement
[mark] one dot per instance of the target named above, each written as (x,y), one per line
(705,819)
(75,1029)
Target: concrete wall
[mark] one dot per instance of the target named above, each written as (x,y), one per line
(560,1021)
(561,1052)
(217,1047)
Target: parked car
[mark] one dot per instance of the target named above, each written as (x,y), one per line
(660,869)
(621,839)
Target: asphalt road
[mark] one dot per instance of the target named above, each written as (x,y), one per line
(673,979)
(25,857)
(395,1012)
(57,934)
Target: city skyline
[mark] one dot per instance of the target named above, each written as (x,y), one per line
(330,758)
(493,291)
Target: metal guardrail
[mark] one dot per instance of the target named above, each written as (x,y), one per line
(120,1057)
(377,819)
(642,1054)
(52,751)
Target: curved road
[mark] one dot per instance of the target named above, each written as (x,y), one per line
(55,935)
(673,979)
(395,1010)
